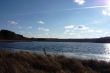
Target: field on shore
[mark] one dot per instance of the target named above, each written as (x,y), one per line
(25,62)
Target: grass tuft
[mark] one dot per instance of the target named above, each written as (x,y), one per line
(25,62)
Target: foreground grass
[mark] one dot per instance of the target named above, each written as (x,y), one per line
(25,62)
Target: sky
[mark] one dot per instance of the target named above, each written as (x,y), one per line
(56,18)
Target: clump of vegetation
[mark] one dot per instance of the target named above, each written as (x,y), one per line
(25,62)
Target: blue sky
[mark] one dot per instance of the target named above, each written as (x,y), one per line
(56,18)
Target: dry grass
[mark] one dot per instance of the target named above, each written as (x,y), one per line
(25,62)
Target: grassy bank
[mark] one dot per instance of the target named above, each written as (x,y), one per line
(25,62)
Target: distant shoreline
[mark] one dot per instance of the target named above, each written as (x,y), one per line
(9,36)
(56,40)
(15,41)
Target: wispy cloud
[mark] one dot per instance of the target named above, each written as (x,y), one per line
(105,10)
(89,7)
(43,29)
(79,2)
(40,22)
(12,22)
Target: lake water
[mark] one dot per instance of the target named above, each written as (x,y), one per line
(99,51)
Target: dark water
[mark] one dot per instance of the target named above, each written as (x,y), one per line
(99,51)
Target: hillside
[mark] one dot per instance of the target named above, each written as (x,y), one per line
(9,35)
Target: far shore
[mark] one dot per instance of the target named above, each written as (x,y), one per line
(52,40)
(10,36)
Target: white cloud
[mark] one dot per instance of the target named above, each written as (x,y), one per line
(77,27)
(98,31)
(40,22)
(107,32)
(106,12)
(12,22)
(43,29)
(69,26)
(71,29)
(79,2)
(91,30)
(83,31)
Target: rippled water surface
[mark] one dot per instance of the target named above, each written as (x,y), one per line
(76,49)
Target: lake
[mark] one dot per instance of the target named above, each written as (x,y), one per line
(99,51)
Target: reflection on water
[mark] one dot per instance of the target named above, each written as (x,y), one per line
(107,51)
(100,51)
(107,48)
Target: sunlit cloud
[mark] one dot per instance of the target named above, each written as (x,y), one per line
(79,2)
(40,22)
(12,22)
(43,29)
(106,12)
